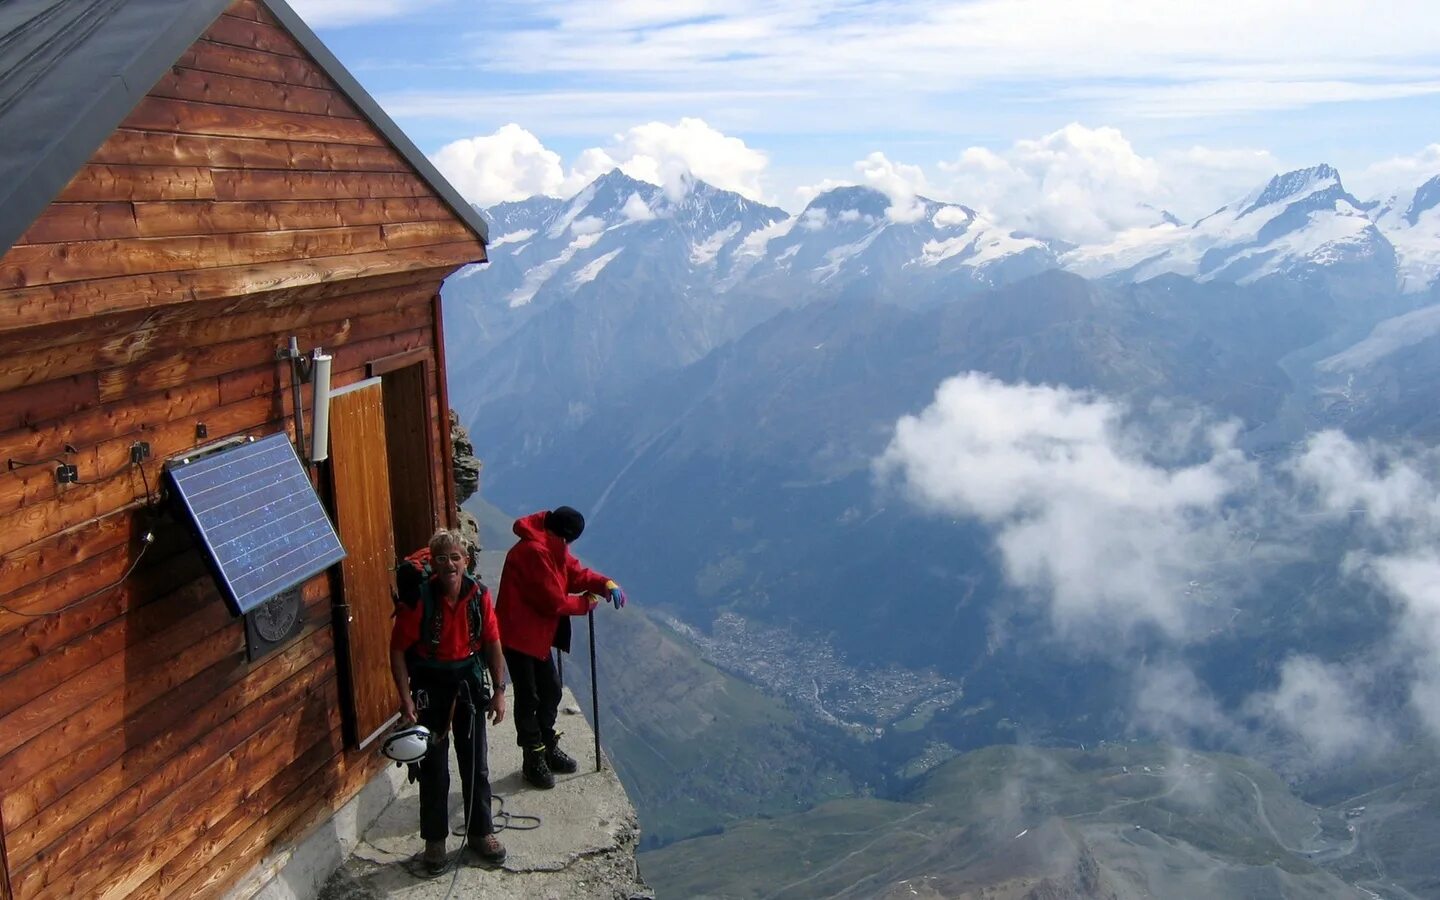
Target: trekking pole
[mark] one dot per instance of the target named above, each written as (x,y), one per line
(594,692)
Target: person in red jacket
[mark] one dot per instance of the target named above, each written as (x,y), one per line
(538,593)
(445,632)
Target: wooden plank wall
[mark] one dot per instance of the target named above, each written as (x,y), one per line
(241,203)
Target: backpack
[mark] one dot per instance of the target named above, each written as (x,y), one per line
(412,584)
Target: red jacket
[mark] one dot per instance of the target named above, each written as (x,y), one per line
(538,586)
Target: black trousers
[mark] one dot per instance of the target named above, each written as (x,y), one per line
(536,700)
(452,703)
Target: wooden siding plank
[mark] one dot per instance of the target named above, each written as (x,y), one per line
(82,222)
(57,552)
(153,338)
(118,330)
(24,406)
(271,184)
(95,183)
(189,117)
(254,36)
(271,823)
(77,505)
(27,639)
(423,234)
(158,576)
(252,93)
(164,219)
(178,752)
(310,773)
(227,59)
(159,148)
(101,860)
(99,666)
(27,307)
(252,10)
(180,366)
(185,679)
(39,264)
(111,459)
(118,421)
(126,634)
(156,731)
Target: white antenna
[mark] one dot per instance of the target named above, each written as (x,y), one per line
(320,418)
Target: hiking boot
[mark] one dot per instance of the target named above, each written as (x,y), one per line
(434,858)
(536,771)
(558,760)
(488,848)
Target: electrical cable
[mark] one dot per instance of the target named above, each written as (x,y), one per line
(150,499)
(12,463)
(144,477)
(146,543)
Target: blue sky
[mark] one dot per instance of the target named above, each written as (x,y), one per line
(1176,105)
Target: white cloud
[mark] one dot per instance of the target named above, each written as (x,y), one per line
(1104,536)
(1215,58)
(807,192)
(897,181)
(1394,497)
(1390,176)
(513,164)
(814,219)
(1322,706)
(1088,184)
(510,164)
(666,154)
(949,217)
(636,209)
(1172,703)
(587,225)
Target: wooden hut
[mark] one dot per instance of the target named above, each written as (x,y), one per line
(185,186)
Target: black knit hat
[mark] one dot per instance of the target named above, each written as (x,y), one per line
(565,522)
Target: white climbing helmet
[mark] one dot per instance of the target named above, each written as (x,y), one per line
(408,745)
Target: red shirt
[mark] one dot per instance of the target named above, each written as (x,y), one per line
(454,623)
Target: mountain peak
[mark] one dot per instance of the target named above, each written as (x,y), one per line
(864,200)
(1296,183)
(1427,197)
(618,180)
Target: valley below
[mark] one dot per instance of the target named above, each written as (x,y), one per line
(974,565)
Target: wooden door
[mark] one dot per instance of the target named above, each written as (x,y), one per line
(408,434)
(360,488)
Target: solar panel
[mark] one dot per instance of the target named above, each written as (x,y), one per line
(258,518)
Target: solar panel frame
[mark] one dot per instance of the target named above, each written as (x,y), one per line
(257,517)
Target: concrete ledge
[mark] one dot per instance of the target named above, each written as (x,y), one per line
(584,846)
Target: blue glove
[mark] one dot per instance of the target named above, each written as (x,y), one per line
(617,596)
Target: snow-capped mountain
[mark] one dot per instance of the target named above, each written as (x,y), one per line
(550,248)
(1301,222)
(1410,220)
(855,234)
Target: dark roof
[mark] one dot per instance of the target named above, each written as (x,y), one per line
(72,70)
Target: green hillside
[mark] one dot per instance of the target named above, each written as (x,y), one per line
(1126,820)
